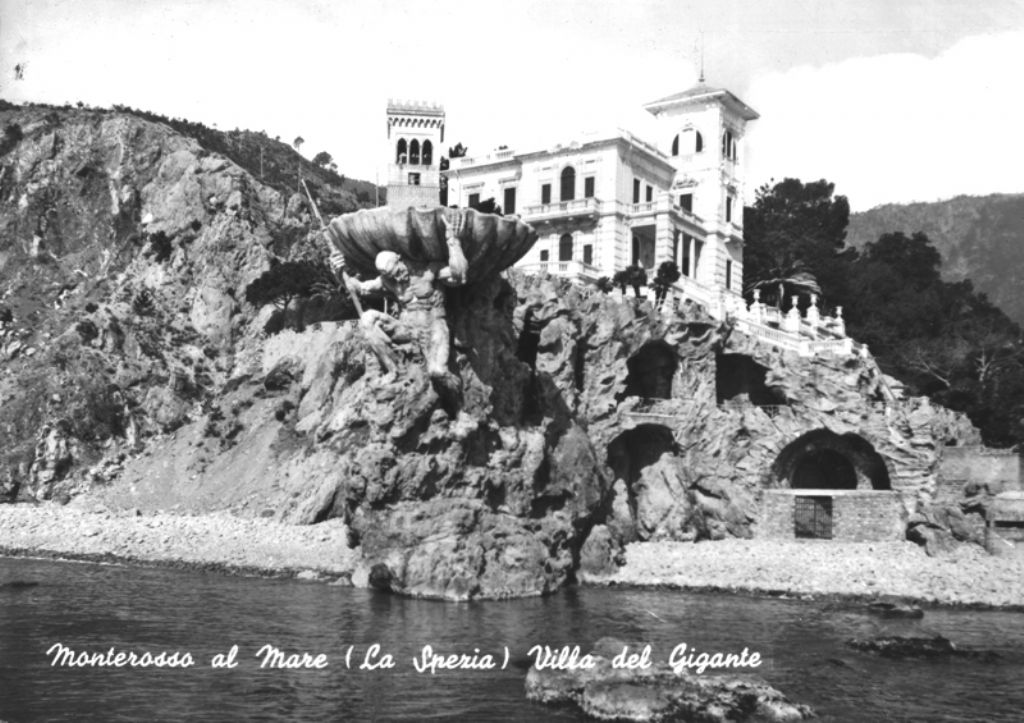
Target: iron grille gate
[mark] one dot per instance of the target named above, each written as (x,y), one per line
(812,517)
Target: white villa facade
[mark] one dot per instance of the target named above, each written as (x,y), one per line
(604,204)
(600,205)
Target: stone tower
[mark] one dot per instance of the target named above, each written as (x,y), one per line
(702,130)
(414,148)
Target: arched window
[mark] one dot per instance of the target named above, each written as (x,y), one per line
(568,184)
(401,153)
(428,153)
(689,141)
(565,247)
(414,153)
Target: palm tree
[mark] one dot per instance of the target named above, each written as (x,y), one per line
(668,273)
(634,276)
(795,277)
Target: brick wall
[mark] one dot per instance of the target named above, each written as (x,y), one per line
(996,468)
(857,515)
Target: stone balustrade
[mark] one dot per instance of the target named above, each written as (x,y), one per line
(808,334)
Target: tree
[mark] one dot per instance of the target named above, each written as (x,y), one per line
(668,273)
(323,159)
(282,283)
(794,238)
(297,143)
(307,279)
(604,284)
(634,276)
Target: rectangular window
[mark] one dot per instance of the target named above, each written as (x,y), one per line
(636,190)
(636,251)
(649,196)
(686,202)
(544,255)
(474,200)
(684,268)
(728,209)
(414,179)
(588,187)
(509,206)
(728,275)
(545,193)
(588,254)
(697,247)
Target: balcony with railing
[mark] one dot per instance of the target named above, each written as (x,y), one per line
(505,154)
(568,269)
(577,208)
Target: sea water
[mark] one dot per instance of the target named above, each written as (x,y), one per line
(286,650)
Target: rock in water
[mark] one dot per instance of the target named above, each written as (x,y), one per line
(658,693)
(937,646)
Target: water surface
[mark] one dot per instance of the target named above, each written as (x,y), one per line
(91,608)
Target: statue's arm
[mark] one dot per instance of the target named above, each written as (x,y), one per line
(454,274)
(372,287)
(362,288)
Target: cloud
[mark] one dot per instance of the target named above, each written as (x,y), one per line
(896,128)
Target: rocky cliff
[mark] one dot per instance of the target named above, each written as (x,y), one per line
(134,371)
(125,251)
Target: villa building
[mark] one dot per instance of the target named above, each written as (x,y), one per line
(605,203)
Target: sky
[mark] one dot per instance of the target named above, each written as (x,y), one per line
(893,102)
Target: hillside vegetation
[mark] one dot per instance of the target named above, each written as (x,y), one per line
(935,333)
(980,238)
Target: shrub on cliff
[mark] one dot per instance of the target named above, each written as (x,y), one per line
(304,279)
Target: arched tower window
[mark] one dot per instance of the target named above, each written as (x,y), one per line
(428,153)
(565,247)
(568,184)
(728,146)
(401,152)
(689,141)
(414,152)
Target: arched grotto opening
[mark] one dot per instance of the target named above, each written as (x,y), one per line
(822,459)
(739,378)
(651,371)
(638,453)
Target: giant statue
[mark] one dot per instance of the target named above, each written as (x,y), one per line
(416,255)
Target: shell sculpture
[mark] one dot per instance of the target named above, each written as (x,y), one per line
(491,243)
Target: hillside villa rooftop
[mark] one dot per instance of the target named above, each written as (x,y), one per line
(586,141)
(700,93)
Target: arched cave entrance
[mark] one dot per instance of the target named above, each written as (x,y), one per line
(651,370)
(739,378)
(823,459)
(633,450)
(824,468)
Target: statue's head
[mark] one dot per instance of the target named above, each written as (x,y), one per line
(390,264)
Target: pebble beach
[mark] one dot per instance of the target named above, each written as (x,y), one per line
(214,541)
(813,568)
(820,569)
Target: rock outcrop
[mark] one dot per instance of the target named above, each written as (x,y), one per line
(125,251)
(657,692)
(135,370)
